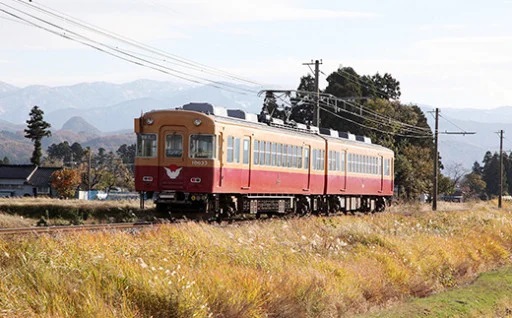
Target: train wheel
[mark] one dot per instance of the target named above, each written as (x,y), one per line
(303,207)
(380,204)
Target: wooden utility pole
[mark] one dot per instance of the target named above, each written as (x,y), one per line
(316,110)
(436,163)
(501,170)
(436,157)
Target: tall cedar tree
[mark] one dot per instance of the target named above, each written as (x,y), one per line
(37,128)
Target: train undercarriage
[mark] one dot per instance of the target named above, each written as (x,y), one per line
(231,206)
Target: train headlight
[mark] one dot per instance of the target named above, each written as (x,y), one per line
(197,122)
(149,121)
(195,180)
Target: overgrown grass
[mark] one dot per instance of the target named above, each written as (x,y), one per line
(7,220)
(311,267)
(57,212)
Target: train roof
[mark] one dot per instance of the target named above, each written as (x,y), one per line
(266,121)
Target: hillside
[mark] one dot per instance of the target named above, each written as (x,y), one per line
(18,149)
(110,107)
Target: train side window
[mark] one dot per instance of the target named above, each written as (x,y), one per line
(262,152)
(306,158)
(146,145)
(299,157)
(274,150)
(268,148)
(343,154)
(285,156)
(236,150)
(290,156)
(229,149)
(202,146)
(256,151)
(279,154)
(246,151)
(386,167)
(293,152)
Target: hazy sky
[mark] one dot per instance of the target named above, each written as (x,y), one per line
(444,53)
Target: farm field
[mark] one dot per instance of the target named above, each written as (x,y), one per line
(308,267)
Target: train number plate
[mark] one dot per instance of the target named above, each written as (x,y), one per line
(199,162)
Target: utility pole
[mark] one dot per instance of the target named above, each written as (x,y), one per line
(501,169)
(436,162)
(436,157)
(316,111)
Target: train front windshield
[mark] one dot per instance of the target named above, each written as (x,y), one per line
(202,146)
(146,145)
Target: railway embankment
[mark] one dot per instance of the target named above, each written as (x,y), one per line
(63,212)
(303,267)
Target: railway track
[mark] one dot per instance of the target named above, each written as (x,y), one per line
(75,228)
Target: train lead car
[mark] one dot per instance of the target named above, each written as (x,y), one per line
(204,161)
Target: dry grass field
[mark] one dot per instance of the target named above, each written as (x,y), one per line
(308,267)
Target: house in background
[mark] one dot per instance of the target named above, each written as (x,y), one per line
(26,180)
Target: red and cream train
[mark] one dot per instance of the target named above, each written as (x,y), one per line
(202,159)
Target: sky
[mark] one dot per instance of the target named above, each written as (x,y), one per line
(449,53)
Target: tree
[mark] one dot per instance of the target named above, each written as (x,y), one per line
(66,181)
(37,128)
(65,154)
(106,170)
(5,161)
(491,174)
(473,186)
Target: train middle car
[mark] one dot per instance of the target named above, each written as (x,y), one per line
(208,161)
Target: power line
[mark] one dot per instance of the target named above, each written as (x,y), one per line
(133,57)
(189,63)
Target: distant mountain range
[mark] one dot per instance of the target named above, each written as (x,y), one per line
(101,115)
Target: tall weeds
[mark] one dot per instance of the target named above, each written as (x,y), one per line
(311,267)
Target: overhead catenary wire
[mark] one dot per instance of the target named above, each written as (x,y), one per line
(409,130)
(187,62)
(117,52)
(376,117)
(376,129)
(134,59)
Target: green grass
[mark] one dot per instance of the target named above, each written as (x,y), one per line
(489,296)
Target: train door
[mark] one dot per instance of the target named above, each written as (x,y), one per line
(307,167)
(392,175)
(246,163)
(381,170)
(172,158)
(221,158)
(343,168)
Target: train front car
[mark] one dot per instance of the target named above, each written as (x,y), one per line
(176,159)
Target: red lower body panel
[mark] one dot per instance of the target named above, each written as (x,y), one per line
(228,180)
